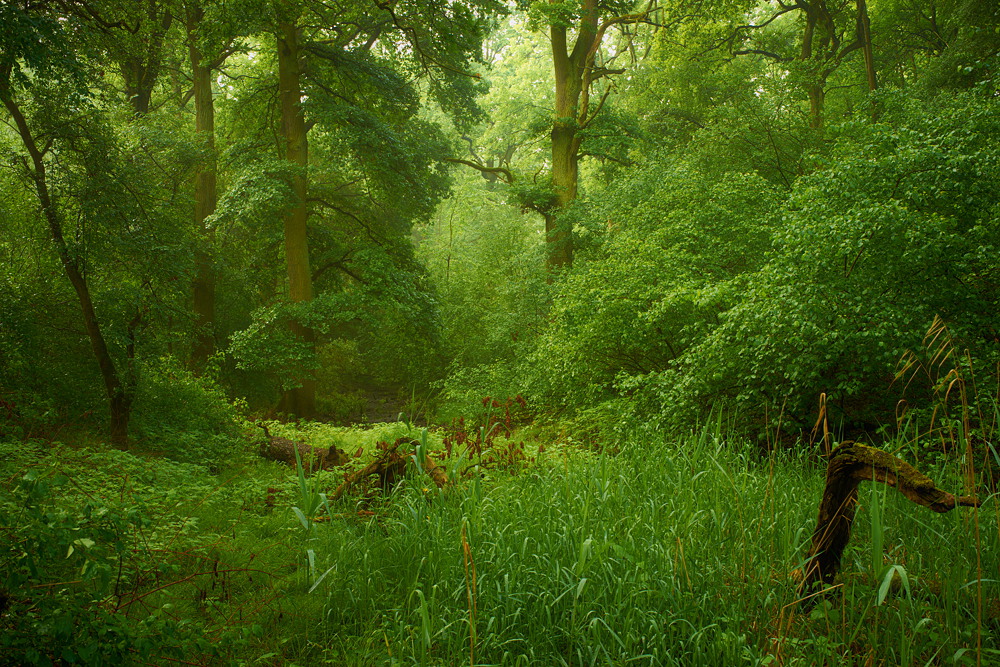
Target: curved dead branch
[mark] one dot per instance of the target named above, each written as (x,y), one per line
(850,464)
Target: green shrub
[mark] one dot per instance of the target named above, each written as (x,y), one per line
(713,293)
(677,248)
(899,227)
(185,417)
(68,571)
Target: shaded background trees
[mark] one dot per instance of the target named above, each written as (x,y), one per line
(763,202)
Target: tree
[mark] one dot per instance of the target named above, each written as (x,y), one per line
(300,400)
(33,57)
(205,192)
(359,164)
(577,68)
(949,44)
(830,30)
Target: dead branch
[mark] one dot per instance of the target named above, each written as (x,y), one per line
(851,464)
(437,473)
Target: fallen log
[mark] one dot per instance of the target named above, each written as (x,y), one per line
(850,464)
(390,467)
(374,468)
(437,472)
(283,450)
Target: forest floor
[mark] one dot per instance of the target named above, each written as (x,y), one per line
(667,552)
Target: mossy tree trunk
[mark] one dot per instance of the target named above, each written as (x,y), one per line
(569,79)
(301,400)
(575,73)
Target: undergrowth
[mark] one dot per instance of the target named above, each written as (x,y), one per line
(670,552)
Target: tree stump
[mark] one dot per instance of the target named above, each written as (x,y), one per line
(850,464)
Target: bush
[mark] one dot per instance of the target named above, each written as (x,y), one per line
(677,245)
(67,570)
(898,227)
(710,292)
(185,417)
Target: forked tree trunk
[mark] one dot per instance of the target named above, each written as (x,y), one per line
(569,69)
(300,401)
(119,394)
(141,69)
(205,200)
(851,464)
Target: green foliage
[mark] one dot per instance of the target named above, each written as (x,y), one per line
(67,573)
(384,320)
(33,44)
(113,558)
(696,576)
(186,418)
(697,293)
(898,227)
(541,15)
(721,114)
(487,264)
(672,250)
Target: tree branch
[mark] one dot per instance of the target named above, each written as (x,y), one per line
(503,171)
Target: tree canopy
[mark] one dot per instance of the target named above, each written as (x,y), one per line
(655,209)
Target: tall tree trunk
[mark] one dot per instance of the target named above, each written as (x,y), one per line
(205,199)
(300,401)
(816,98)
(865,35)
(565,175)
(119,394)
(141,70)
(564,161)
(569,69)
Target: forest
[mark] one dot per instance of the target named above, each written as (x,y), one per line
(500,332)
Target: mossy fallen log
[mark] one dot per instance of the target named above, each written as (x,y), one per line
(390,467)
(850,464)
(283,450)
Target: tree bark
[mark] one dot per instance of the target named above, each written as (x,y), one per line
(565,173)
(569,69)
(119,394)
(565,176)
(851,464)
(865,37)
(300,401)
(205,200)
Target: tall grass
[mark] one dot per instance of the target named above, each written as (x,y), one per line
(668,554)
(672,552)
